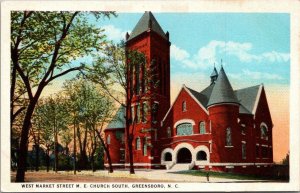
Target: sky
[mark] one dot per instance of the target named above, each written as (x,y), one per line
(254,49)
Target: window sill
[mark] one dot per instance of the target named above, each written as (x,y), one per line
(229,146)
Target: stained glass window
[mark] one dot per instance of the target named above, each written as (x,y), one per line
(264,132)
(185,129)
(138,143)
(122,154)
(244,150)
(257,151)
(132,113)
(264,151)
(202,127)
(138,112)
(228,137)
(144,112)
(145,149)
(183,106)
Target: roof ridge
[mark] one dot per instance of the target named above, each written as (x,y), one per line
(248,87)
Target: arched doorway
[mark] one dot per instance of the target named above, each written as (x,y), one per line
(184,156)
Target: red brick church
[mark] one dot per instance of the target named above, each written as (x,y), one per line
(217,128)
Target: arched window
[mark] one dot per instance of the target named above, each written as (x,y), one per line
(108,139)
(184,106)
(145,149)
(169,132)
(202,127)
(228,137)
(138,143)
(185,129)
(263,131)
(138,113)
(201,156)
(168,156)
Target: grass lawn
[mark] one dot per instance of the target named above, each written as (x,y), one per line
(226,175)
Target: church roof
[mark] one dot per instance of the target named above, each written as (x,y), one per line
(222,91)
(118,122)
(203,96)
(247,96)
(143,25)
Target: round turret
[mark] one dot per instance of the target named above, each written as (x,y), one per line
(223,108)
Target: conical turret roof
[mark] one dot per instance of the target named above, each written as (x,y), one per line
(147,21)
(214,72)
(222,91)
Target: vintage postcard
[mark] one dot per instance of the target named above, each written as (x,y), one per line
(129,96)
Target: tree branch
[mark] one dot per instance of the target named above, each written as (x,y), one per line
(63,73)
(17,113)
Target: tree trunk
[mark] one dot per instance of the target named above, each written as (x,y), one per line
(55,152)
(48,159)
(106,149)
(130,155)
(23,147)
(129,136)
(92,163)
(37,158)
(74,136)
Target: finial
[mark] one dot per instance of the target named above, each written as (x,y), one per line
(221,63)
(167,35)
(214,65)
(127,36)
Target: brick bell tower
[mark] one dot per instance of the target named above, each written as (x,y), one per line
(148,106)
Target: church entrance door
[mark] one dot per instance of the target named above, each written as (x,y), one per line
(184,156)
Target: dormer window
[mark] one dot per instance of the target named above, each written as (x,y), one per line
(184,106)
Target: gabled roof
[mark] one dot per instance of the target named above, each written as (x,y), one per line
(118,122)
(248,97)
(194,95)
(222,91)
(203,96)
(143,25)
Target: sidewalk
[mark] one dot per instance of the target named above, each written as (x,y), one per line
(161,175)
